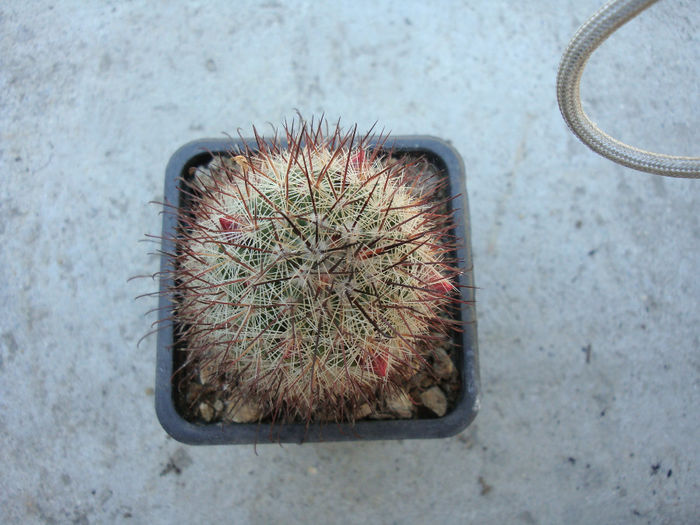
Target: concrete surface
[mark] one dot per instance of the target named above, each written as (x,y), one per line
(571,253)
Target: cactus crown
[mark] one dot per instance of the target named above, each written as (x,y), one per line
(309,278)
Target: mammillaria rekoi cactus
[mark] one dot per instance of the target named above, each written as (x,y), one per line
(312,273)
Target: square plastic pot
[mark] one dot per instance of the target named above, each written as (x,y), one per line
(449,163)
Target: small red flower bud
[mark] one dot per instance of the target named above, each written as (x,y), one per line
(380,363)
(228,224)
(358,159)
(439,284)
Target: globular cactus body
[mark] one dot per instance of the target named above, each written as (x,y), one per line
(311,278)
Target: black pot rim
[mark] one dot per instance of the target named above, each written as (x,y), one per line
(468,402)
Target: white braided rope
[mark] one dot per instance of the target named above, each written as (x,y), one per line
(586,40)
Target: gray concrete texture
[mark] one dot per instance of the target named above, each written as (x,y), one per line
(588,272)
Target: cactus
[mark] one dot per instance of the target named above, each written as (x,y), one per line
(312,278)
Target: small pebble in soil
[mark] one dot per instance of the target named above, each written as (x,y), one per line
(417,380)
(242,412)
(363,411)
(400,404)
(207,374)
(206,411)
(435,400)
(442,364)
